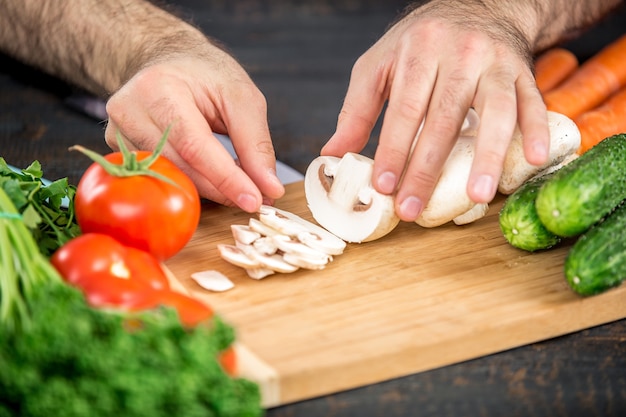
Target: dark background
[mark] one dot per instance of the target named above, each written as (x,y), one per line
(300,54)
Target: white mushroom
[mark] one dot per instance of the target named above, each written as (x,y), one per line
(306,262)
(341,198)
(477,212)
(558,166)
(289,245)
(244,234)
(275,262)
(290,224)
(212,280)
(262,228)
(237,256)
(470,124)
(265,245)
(259,273)
(564,142)
(449,198)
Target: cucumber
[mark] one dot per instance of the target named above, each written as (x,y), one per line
(519,221)
(597,261)
(585,190)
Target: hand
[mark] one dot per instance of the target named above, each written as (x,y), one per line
(199,95)
(432,66)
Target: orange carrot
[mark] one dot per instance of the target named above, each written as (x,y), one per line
(553,66)
(605,120)
(592,83)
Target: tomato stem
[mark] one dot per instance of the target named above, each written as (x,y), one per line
(130,166)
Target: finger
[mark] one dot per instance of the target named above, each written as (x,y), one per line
(452,91)
(112,133)
(533,120)
(366,95)
(249,132)
(409,96)
(436,140)
(496,105)
(191,146)
(211,166)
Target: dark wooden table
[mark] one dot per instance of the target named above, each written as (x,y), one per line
(300,54)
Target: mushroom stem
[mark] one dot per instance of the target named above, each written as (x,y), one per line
(351,177)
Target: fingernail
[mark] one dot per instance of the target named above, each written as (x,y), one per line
(483,187)
(271,173)
(247,202)
(541,151)
(386,182)
(411,208)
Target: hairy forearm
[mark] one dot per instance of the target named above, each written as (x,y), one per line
(527,25)
(546,22)
(95,44)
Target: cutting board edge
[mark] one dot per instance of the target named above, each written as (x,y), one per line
(317,388)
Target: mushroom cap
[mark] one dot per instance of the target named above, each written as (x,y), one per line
(342,200)
(564,141)
(449,198)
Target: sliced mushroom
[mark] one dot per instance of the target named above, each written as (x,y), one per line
(244,234)
(259,273)
(341,198)
(564,141)
(306,232)
(262,228)
(306,262)
(265,245)
(236,256)
(274,262)
(289,245)
(212,280)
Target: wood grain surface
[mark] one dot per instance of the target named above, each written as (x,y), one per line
(300,54)
(414,300)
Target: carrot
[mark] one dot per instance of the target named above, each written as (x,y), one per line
(553,66)
(605,120)
(592,83)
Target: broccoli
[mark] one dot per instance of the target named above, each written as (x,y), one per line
(78,361)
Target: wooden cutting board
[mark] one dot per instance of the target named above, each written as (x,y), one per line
(414,300)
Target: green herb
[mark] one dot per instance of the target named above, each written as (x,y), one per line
(22,267)
(78,361)
(41,205)
(59,356)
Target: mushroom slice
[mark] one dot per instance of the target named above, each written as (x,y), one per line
(244,234)
(564,141)
(274,262)
(477,212)
(328,246)
(236,256)
(289,245)
(259,273)
(449,198)
(265,245)
(341,198)
(306,262)
(260,227)
(305,231)
(212,280)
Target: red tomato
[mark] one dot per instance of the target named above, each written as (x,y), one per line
(228,360)
(139,210)
(111,274)
(191,311)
